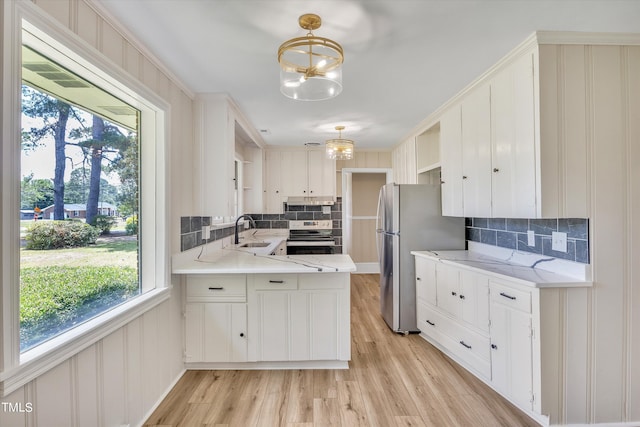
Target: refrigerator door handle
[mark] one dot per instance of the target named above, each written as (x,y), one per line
(379,230)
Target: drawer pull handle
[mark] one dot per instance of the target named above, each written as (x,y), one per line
(465,344)
(430,322)
(507,296)
(276,281)
(216,288)
(493,346)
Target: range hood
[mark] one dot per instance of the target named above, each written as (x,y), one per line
(310,201)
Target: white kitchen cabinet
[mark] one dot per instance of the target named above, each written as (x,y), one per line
(275,195)
(215,319)
(426,281)
(513,144)
(451,162)
(299,317)
(297,173)
(476,152)
(457,322)
(218,126)
(512,344)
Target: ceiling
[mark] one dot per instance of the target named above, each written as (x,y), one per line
(403,58)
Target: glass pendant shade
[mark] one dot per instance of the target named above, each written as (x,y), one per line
(310,66)
(339,148)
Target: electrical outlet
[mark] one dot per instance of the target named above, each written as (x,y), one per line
(206,231)
(531,238)
(559,241)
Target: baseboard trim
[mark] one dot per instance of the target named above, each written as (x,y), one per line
(160,399)
(367,268)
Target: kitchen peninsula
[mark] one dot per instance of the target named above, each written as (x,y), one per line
(248,309)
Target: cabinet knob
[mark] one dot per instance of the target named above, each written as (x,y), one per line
(417,278)
(496,170)
(277,191)
(464,177)
(461,296)
(454,293)
(441,182)
(493,346)
(242,334)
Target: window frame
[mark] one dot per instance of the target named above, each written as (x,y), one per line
(17,369)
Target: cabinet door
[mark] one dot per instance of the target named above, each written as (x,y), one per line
(426,280)
(451,162)
(274,191)
(513,141)
(511,357)
(294,173)
(271,331)
(448,288)
(322,174)
(474,299)
(476,152)
(216,332)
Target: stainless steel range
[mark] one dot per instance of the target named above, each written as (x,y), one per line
(311,237)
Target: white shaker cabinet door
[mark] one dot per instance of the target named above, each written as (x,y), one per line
(216,332)
(476,152)
(511,355)
(513,142)
(426,280)
(451,162)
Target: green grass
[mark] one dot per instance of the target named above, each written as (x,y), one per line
(61,288)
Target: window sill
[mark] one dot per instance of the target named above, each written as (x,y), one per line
(47,355)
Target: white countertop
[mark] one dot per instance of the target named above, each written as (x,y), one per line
(233,259)
(500,267)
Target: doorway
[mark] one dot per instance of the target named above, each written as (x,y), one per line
(360,189)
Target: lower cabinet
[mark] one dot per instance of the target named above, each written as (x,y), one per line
(488,326)
(216,318)
(267,318)
(511,351)
(216,332)
(299,317)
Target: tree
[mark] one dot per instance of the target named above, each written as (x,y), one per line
(55,114)
(126,165)
(35,192)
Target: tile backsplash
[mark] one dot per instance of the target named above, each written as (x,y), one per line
(512,233)
(191,226)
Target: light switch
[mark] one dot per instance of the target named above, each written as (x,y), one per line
(559,241)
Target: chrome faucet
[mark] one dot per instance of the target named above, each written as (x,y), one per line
(236,240)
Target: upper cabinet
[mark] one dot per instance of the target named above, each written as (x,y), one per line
(297,173)
(227,158)
(510,142)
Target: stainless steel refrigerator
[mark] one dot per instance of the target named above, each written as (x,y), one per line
(409,218)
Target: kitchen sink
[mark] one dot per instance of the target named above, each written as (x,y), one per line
(255,245)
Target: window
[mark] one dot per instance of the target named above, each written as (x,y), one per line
(112,175)
(79,151)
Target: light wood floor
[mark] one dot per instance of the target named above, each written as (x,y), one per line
(392,381)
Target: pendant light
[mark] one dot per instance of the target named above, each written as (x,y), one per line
(310,66)
(339,148)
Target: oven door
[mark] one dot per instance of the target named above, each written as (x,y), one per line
(310,248)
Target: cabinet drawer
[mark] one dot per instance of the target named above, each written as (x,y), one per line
(320,281)
(468,347)
(216,288)
(511,297)
(275,281)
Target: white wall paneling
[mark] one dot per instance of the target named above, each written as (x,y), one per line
(119,379)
